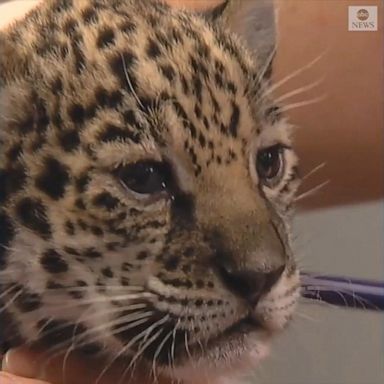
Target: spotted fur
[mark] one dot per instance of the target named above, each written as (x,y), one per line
(88,86)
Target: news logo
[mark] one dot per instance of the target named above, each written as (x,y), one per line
(362,18)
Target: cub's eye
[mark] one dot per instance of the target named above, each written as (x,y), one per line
(270,164)
(145,177)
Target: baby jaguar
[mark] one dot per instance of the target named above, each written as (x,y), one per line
(146,184)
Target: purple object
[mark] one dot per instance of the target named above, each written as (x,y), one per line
(344,292)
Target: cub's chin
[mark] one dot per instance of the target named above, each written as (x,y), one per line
(226,359)
(234,353)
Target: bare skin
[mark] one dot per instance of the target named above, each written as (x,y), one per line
(72,369)
(344,130)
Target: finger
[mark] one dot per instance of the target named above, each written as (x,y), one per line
(7,378)
(15,363)
(72,369)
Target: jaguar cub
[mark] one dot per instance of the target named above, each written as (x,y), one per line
(146,185)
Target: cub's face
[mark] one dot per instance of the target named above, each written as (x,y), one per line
(147,195)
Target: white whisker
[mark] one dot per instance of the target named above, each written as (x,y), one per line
(312,171)
(130,83)
(144,295)
(127,322)
(305,316)
(157,352)
(299,104)
(125,347)
(299,91)
(266,65)
(5,293)
(11,301)
(311,191)
(146,344)
(145,334)
(172,352)
(94,287)
(71,347)
(293,74)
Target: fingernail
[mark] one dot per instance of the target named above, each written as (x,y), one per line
(19,362)
(6,363)
(5,378)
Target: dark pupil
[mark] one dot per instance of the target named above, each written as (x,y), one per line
(145,177)
(268,162)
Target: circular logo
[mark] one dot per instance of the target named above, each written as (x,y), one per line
(362,14)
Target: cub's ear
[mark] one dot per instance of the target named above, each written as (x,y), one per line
(252,20)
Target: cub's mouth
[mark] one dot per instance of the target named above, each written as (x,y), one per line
(241,328)
(246,325)
(236,339)
(234,336)
(233,352)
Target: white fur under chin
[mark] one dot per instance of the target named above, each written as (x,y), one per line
(233,358)
(227,363)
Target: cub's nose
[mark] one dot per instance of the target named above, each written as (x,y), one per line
(249,284)
(251,262)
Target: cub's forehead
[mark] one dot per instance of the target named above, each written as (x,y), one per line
(130,74)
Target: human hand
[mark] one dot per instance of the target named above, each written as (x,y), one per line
(32,366)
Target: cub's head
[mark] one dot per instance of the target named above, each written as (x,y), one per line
(147,180)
